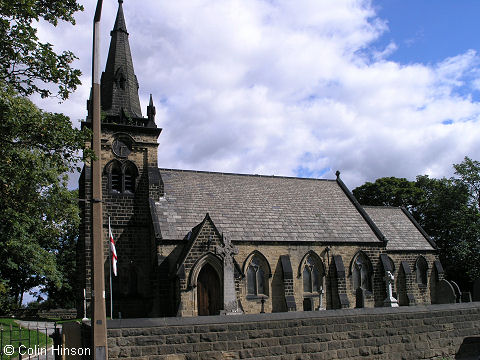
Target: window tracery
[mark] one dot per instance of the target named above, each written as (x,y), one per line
(121,177)
(311,277)
(256,278)
(362,272)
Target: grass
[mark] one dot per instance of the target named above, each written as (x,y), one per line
(12,334)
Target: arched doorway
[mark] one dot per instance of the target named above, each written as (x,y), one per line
(209,297)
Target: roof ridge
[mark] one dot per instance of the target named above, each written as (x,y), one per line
(378,233)
(240,174)
(382,207)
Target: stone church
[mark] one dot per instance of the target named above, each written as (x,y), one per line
(203,243)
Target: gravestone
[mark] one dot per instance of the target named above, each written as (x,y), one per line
(458,293)
(476,290)
(390,301)
(230,304)
(445,293)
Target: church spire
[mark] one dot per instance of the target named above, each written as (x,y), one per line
(119,84)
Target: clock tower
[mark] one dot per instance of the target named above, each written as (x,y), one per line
(131,182)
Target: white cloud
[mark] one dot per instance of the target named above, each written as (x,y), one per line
(271,87)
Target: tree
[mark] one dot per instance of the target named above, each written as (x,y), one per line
(448,217)
(63,296)
(38,149)
(468,173)
(388,191)
(445,208)
(26,64)
(6,300)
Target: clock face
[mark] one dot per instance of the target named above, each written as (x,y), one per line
(121,148)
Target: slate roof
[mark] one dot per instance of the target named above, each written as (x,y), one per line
(260,208)
(119,69)
(399,229)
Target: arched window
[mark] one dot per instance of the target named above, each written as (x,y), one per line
(362,272)
(257,277)
(129,180)
(421,269)
(121,176)
(311,277)
(116,179)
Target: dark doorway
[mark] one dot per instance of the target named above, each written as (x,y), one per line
(209,295)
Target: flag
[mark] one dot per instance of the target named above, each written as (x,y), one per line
(112,249)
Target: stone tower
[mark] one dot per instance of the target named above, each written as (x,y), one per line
(131,181)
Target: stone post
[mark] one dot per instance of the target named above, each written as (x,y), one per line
(230,303)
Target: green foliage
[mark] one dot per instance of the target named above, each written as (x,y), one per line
(27,64)
(446,215)
(62,295)
(446,208)
(37,149)
(468,173)
(6,300)
(388,191)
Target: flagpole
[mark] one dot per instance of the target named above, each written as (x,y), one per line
(110,252)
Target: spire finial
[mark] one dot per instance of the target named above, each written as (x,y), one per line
(120,20)
(151,111)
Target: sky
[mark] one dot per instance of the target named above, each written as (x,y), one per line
(297,88)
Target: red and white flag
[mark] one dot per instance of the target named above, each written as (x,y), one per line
(112,249)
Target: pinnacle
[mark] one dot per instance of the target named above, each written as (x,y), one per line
(120,20)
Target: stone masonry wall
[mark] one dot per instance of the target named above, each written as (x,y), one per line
(205,243)
(297,252)
(131,228)
(408,333)
(420,291)
(275,301)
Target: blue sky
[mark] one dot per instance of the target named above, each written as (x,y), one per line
(428,31)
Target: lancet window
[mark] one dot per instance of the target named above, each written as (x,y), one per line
(257,284)
(421,269)
(311,277)
(362,272)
